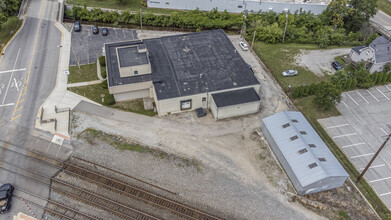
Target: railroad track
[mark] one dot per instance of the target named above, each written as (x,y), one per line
(92,198)
(137,193)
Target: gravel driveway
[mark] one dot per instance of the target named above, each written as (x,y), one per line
(319,61)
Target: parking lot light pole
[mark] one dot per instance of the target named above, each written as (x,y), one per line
(373,158)
(141,20)
(286,23)
(252,44)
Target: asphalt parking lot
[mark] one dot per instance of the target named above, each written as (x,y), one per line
(86,46)
(361,130)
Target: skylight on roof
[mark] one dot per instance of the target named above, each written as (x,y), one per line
(312,165)
(302,151)
(286,125)
(312,145)
(303,132)
(294,120)
(294,138)
(322,159)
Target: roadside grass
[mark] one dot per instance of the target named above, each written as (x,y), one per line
(136,106)
(93,92)
(84,74)
(281,57)
(384,6)
(133,5)
(8,30)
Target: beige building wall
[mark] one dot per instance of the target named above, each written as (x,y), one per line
(130,87)
(365,55)
(235,110)
(124,96)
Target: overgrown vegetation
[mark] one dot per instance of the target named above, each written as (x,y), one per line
(385,6)
(96,93)
(83,73)
(8,29)
(8,8)
(136,106)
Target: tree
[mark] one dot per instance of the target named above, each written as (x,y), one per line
(364,79)
(348,84)
(336,12)
(327,95)
(312,89)
(296,92)
(362,11)
(379,78)
(354,83)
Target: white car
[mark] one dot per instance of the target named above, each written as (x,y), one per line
(289,73)
(243,45)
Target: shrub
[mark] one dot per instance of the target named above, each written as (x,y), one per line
(312,89)
(348,84)
(295,93)
(354,83)
(379,78)
(103,73)
(109,99)
(306,91)
(103,84)
(102,60)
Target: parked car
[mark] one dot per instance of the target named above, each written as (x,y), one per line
(105,31)
(336,65)
(243,45)
(95,30)
(6,192)
(77,26)
(290,73)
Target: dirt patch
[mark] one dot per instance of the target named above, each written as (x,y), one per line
(319,61)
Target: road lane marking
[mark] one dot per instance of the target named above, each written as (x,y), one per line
(362,97)
(383,131)
(352,98)
(12,73)
(337,126)
(16,85)
(9,104)
(384,194)
(373,96)
(363,155)
(352,145)
(383,94)
(15,70)
(373,181)
(344,135)
(26,80)
(19,108)
(371,167)
(345,104)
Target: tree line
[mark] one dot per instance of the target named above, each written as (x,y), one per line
(8,8)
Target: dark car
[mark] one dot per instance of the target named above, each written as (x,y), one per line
(6,192)
(95,30)
(77,26)
(105,31)
(337,65)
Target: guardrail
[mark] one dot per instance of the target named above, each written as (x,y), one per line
(384,31)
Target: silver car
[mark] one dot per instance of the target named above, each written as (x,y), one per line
(289,73)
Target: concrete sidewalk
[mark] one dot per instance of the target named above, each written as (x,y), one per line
(71,85)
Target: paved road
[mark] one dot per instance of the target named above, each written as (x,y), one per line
(383,19)
(28,68)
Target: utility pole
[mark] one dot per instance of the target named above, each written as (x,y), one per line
(141,20)
(252,44)
(373,158)
(286,24)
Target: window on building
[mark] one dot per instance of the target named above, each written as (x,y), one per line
(322,159)
(294,138)
(286,125)
(240,6)
(302,151)
(186,104)
(303,132)
(135,72)
(312,165)
(294,120)
(312,145)
(204,99)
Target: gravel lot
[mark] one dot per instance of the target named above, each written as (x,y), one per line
(319,61)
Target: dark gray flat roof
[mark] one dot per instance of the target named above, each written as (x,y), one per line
(129,56)
(235,97)
(188,64)
(113,75)
(358,49)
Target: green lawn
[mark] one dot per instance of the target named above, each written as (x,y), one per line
(385,6)
(280,57)
(306,106)
(93,92)
(136,106)
(133,5)
(8,30)
(83,74)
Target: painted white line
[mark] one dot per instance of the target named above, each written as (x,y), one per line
(383,94)
(16,85)
(363,155)
(373,181)
(9,71)
(384,194)
(12,73)
(371,167)
(383,131)
(345,104)
(337,126)
(352,98)
(9,104)
(344,135)
(373,96)
(362,97)
(388,88)
(352,145)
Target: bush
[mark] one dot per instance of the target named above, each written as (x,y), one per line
(102,60)
(109,100)
(312,89)
(306,91)
(103,73)
(354,83)
(103,84)
(295,93)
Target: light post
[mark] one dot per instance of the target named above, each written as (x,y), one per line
(286,23)
(141,20)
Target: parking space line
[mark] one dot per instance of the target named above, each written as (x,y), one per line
(373,181)
(371,167)
(352,98)
(344,104)
(344,135)
(337,126)
(352,145)
(383,94)
(373,96)
(384,194)
(388,88)
(362,97)
(383,131)
(362,155)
